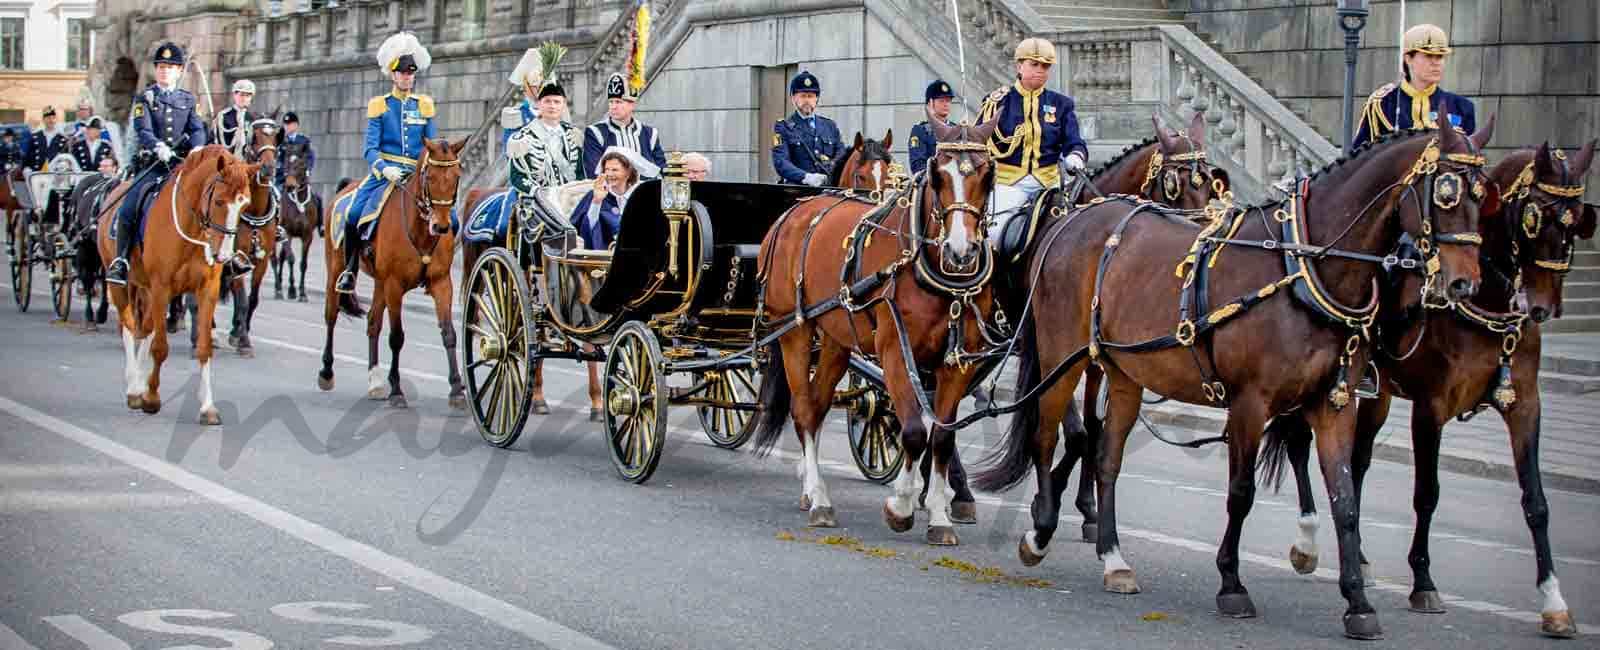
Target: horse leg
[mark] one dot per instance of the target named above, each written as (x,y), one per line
(1368,422)
(1090,426)
(441,292)
(1425,438)
(1046,506)
(193,307)
(155,354)
(1296,437)
(305,253)
(810,408)
(241,315)
(277,272)
(951,386)
(136,340)
(1245,426)
(1122,409)
(397,340)
(246,348)
(330,317)
(1523,422)
(1335,439)
(376,387)
(205,352)
(899,508)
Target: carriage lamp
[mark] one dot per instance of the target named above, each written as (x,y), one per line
(1352,18)
(674,186)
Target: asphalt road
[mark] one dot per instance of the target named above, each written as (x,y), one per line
(322,519)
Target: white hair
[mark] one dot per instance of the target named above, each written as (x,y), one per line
(695,156)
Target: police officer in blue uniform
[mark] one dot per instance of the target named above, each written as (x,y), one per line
(1420,101)
(937,100)
(293,137)
(806,146)
(620,129)
(48,142)
(1037,138)
(397,125)
(167,127)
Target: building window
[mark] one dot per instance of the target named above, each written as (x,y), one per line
(474,14)
(80,51)
(11,32)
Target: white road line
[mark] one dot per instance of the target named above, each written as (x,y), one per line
(10,640)
(520,621)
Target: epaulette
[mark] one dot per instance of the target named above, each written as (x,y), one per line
(377,106)
(1382,92)
(424,105)
(511,117)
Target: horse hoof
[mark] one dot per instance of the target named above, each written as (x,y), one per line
(233,341)
(1369,576)
(1236,605)
(594,414)
(1026,554)
(541,407)
(325,383)
(210,417)
(135,402)
(278,295)
(1558,624)
(397,401)
(150,406)
(1363,627)
(303,298)
(896,523)
(458,402)
(805,502)
(964,512)
(943,536)
(247,352)
(823,517)
(1427,602)
(1091,532)
(1303,562)
(1121,581)
(378,393)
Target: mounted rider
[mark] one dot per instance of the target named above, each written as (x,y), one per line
(805,146)
(397,124)
(1037,135)
(165,122)
(936,98)
(1420,101)
(294,139)
(231,128)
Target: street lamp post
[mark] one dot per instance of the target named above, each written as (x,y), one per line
(1352,17)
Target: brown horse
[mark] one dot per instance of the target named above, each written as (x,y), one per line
(188,238)
(1258,356)
(413,246)
(865,165)
(1457,363)
(300,216)
(931,236)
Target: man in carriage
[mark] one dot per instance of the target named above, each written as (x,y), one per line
(620,129)
(232,124)
(1420,101)
(167,127)
(397,124)
(90,149)
(1037,138)
(48,142)
(805,146)
(542,150)
(936,98)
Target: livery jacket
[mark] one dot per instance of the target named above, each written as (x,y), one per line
(44,147)
(167,116)
(232,129)
(396,127)
(922,146)
(636,136)
(538,159)
(513,118)
(1037,129)
(89,158)
(803,146)
(1396,107)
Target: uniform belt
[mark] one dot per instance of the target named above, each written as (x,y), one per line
(398,159)
(1007,174)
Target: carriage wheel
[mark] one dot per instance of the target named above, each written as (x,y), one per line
(874,432)
(727,427)
(636,402)
(498,325)
(22,265)
(61,277)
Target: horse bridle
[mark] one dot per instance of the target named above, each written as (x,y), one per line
(254,153)
(1167,169)
(425,203)
(1443,183)
(1565,200)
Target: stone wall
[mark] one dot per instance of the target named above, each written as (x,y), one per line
(1535,63)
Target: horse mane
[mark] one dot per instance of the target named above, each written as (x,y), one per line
(870,150)
(1342,164)
(1118,159)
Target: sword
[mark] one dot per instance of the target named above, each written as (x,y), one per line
(961,56)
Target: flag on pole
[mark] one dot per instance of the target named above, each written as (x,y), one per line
(641,42)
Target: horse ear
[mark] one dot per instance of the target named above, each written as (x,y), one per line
(458,146)
(1490,205)
(1481,137)
(1162,135)
(1579,164)
(859,141)
(1543,167)
(983,132)
(888,140)
(1197,131)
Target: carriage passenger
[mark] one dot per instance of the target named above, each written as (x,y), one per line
(696,166)
(108,167)
(542,148)
(90,149)
(621,129)
(599,214)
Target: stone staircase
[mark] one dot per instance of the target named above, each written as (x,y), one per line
(1580,302)
(1069,15)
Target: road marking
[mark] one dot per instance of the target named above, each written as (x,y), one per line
(510,617)
(10,640)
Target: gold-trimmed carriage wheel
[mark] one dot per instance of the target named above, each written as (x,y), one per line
(635,393)
(874,431)
(22,264)
(727,428)
(498,328)
(62,274)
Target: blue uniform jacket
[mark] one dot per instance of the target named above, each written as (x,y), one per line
(396,127)
(603,134)
(167,117)
(311,153)
(1037,129)
(800,147)
(922,146)
(43,149)
(1388,109)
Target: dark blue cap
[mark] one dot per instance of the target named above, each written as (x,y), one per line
(937,90)
(169,52)
(805,82)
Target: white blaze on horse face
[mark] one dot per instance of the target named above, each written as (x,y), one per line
(877,175)
(957,239)
(235,207)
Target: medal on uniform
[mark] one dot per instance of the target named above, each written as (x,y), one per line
(777,140)
(1050,114)
(913,142)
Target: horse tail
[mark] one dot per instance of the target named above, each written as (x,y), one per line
(1008,463)
(774,400)
(1281,433)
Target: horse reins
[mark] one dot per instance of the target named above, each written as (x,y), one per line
(424,203)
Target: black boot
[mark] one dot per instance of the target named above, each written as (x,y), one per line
(117,273)
(352,265)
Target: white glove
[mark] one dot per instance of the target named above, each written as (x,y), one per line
(164,152)
(393,174)
(1074,162)
(814,179)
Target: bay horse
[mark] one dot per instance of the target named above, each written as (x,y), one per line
(188,237)
(300,216)
(413,246)
(865,165)
(856,276)
(1477,355)
(1257,356)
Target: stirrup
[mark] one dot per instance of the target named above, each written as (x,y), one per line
(346,282)
(117,272)
(1367,388)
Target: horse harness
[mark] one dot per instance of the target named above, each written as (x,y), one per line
(1441,186)
(212,258)
(424,203)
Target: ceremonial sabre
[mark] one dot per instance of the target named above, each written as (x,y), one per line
(961,55)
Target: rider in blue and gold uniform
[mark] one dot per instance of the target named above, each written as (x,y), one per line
(806,146)
(1037,136)
(165,122)
(397,124)
(1420,101)
(937,100)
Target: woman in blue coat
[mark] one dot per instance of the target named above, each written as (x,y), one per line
(598,215)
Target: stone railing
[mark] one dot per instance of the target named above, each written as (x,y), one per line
(667,18)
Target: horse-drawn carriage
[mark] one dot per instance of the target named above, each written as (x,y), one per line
(46,232)
(676,294)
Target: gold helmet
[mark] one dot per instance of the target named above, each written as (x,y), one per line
(1426,38)
(1036,49)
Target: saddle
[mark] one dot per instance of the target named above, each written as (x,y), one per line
(142,204)
(1020,231)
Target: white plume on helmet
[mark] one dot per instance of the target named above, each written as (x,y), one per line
(400,45)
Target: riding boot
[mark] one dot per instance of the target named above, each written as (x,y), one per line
(352,263)
(117,272)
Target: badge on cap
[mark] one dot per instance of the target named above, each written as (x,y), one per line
(807,82)
(913,142)
(944,88)
(165,53)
